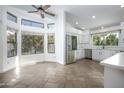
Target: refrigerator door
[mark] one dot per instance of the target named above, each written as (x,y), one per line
(69,53)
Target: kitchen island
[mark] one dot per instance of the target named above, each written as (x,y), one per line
(114,71)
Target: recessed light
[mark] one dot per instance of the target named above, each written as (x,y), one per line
(76,23)
(93,17)
(83,28)
(122,6)
(102,27)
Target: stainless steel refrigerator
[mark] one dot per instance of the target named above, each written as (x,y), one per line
(70,53)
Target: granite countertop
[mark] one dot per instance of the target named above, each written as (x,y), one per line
(116,61)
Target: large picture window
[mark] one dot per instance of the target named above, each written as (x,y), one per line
(32,43)
(51,43)
(11,42)
(106,39)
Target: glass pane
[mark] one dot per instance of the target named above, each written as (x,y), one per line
(32,23)
(50,25)
(11,17)
(74,42)
(51,43)
(109,39)
(11,43)
(32,43)
(25,22)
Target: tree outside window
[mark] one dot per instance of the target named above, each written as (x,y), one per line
(11,42)
(32,43)
(109,39)
(51,43)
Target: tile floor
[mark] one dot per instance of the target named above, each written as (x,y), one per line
(82,74)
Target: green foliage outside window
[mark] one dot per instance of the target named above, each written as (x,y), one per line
(51,43)
(32,44)
(110,39)
(11,42)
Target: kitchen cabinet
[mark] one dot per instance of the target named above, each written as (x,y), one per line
(79,54)
(96,54)
(102,54)
(121,38)
(114,71)
(85,39)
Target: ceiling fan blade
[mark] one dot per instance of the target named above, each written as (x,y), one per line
(46,7)
(50,13)
(32,11)
(42,15)
(34,6)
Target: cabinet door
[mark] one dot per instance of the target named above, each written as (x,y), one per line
(79,54)
(104,54)
(85,39)
(107,53)
(96,55)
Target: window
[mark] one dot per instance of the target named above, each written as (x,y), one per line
(11,42)
(106,39)
(74,42)
(32,23)
(11,17)
(32,43)
(51,43)
(50,25)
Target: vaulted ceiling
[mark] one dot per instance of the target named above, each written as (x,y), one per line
(105,15)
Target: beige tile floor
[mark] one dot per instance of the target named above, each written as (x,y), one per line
(82,74)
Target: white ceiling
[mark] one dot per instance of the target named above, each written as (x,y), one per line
(106,15)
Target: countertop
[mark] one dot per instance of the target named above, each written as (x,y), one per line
(106,48)
(116,61)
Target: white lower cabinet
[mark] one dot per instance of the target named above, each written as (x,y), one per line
(79,54)
(100,54)
(95,54)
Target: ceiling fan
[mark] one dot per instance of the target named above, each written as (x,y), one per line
(42,10)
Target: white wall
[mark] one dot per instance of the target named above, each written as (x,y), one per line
(86,40)
(60,36)
(1,40)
